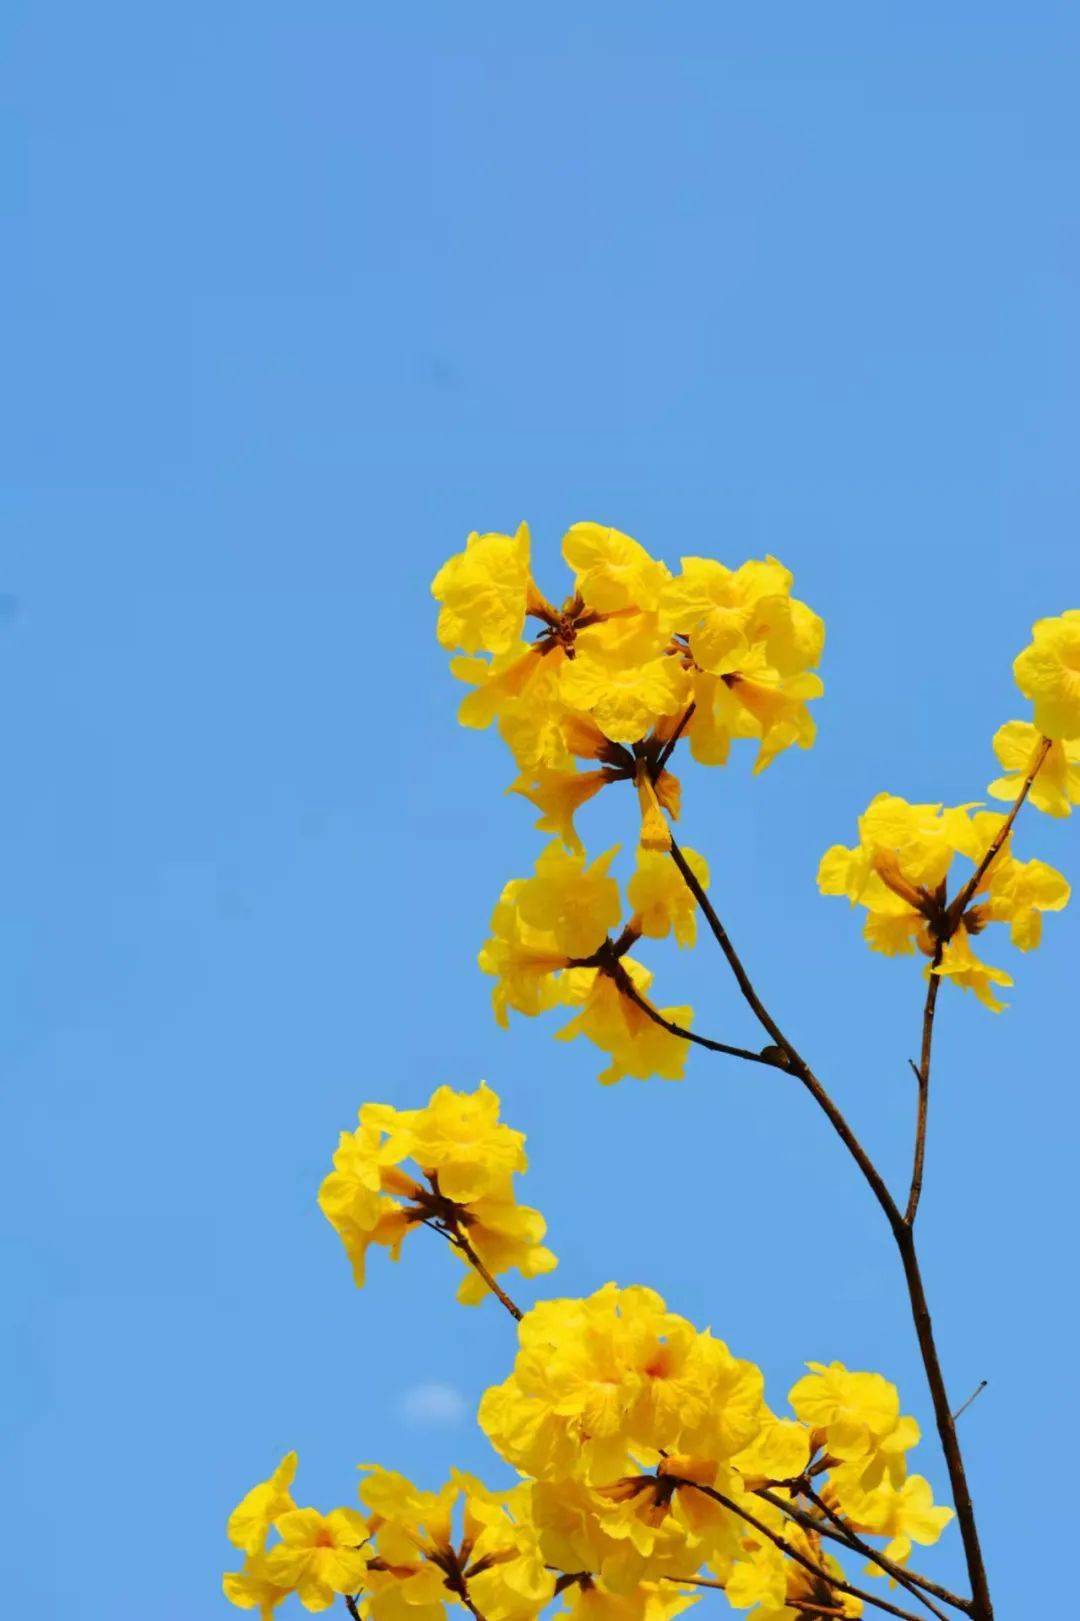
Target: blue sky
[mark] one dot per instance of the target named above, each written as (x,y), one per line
(297,297)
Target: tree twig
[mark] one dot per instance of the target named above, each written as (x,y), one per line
(807,1564)
(982,1606)
(459,1241)
(964,1405)
(958,905)
(847,1539)
(922,1075)
(628,989)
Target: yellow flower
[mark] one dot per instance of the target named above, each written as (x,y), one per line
(251,1519)
(248,1589)
(662,904)
(1019,892)
(854,1412)
(601,1381)
(559,795)
(624,695)
(1048,672)
(612,572)
(574,904)
(526,962)
(319,1555)
(420,1563)
(904,1513)
(484,593)
(1056,788)
(459,1137)
(465,1160)
(637,1046)
(960,964)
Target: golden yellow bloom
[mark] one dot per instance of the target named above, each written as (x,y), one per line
(612,572)
(576,905)
(484,593)
(637,1046)
(1048,672)
(898,871)
(1056,788)
(465,1159)
(420,1562)
(559,795)
(662,904)
(251,1519)
(905,1513)
(319,1555)
(615,1377)
(249,1589)
(526,962)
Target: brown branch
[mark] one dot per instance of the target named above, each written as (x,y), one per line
(628,989)
(922,1075)
(982,1606)
(807,1564)
(669,747)
(964,1405)
(958,905)
(848,1539)
(460,1242)
(898,1573)
(794,1060)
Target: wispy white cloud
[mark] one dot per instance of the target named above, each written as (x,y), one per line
(434,1404)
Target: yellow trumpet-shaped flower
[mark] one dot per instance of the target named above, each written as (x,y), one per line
(662,904)
(319,1555)
(484,593)
(1048,672)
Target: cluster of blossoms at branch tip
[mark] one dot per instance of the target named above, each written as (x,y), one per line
(558,940)
(899,869)
(634,659)
(649,1463)
(465,1160)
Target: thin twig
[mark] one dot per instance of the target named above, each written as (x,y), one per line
(795,1062)
(459,1240)
(964,1405)
(958,905)
(849,1540)
(982,1606)
(923,1076)
(628,989)
(818,1571)
(869,1552)
(669,747)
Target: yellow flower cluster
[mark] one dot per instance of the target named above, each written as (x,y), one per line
(899,869)
(898,872)
(556,942)
(465,1160)
(633,659)
(648,1456)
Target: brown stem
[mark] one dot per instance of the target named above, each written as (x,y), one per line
(898,1573)
(982,1607)
(459,1240)
(628,989)
(922,1075)
(669,747)
(958,905)
(794,1060)
(817,1571)
(849,1540)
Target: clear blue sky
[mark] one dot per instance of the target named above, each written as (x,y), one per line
(295,297)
